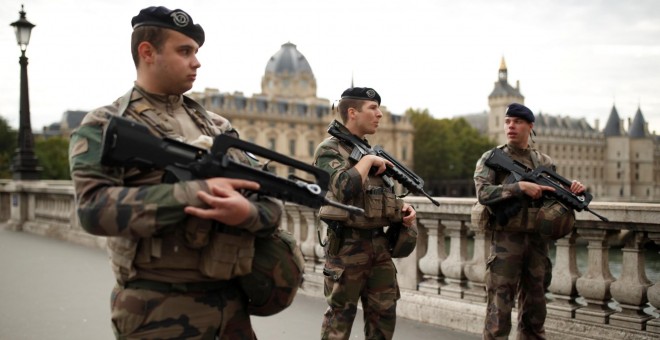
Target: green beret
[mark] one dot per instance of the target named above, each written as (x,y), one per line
(177,20)
(361,93)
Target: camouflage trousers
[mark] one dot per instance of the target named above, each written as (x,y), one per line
(148,314)
(362,269)
(518,267)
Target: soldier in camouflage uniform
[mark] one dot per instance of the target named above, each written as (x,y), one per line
(358,261)
(518,266)
(175,249)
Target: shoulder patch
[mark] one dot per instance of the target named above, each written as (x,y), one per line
(79,147)
(334,164)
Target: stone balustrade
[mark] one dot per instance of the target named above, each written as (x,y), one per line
(442,282)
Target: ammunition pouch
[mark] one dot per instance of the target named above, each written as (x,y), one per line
(333,213)
(229,254)
(373,202)
(523,221)
(481,217)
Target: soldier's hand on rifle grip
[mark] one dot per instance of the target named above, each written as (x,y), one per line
(225,204)
(533,190)
(372,161)
(577,187)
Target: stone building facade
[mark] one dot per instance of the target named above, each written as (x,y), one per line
(621,162)
(289,118)
(616,163)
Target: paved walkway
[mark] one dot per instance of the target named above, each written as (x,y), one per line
(52,289)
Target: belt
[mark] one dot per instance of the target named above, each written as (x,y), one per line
(347,232)
(167,287)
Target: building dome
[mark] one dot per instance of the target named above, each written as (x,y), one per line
(288,59)
(288,75)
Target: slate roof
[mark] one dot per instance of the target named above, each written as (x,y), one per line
(288,59)
(613,126)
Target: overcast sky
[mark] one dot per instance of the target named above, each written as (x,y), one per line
(572,58)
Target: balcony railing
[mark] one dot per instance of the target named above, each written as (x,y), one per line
(613,291)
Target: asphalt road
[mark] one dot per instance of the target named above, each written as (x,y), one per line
(51,289)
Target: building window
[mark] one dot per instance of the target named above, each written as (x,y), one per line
(292,147)
(404,153)
(311,147)
(271,143)
(292,171)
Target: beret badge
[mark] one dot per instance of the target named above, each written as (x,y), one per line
(180,18)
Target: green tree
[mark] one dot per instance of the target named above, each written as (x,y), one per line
(8,141)
(53,156)
(445,149)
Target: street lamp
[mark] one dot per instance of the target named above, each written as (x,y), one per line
(24,166)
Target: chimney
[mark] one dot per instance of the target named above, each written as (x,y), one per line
(597,124)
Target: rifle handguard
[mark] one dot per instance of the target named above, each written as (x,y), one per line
(128,143)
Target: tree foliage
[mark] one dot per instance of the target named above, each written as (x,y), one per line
(445,149)
(53,156)
(52,153)
(8,140)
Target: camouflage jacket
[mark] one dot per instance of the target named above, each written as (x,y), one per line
(347,187)
(493,187)
(345,180)
(134,204)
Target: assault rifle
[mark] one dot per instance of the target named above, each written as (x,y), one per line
(128,143)
(398,171)
(542,175)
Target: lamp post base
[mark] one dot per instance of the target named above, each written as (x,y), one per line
(25,166)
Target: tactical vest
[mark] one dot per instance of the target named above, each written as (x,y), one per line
(381,207)
(525,219)
(198,247)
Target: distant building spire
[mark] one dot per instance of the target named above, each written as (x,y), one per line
(502,73)
(352,80)
(613,126)
(638,126)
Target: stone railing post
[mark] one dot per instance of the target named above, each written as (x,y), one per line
(430,264)
(452,266)
(653,293)
(475,269)
(565,273)
(594,285)
(319,251)
(291,220)
(18,210)
(309,242)
(630,289)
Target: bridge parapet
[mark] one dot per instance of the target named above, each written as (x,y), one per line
(612,292)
